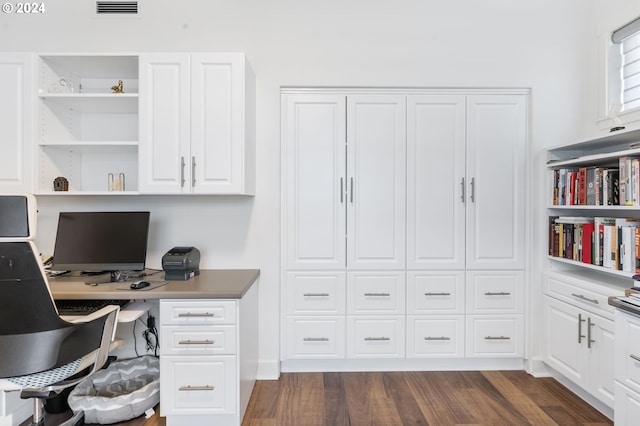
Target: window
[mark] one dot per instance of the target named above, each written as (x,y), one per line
(630,72)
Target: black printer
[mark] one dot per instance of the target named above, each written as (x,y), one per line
(181,263)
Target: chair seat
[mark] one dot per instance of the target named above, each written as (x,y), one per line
(47,378)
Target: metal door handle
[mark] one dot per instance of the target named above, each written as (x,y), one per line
(589,339)
(438,294)
(196,342)
(580,321)
(497,293)
(196,388)
(190,315)
(316,339)
(437,338)
(316,295)
(378,294)
(376,339)
(193,172)
(462,195)
(182,172)
(473,189)
(497,338)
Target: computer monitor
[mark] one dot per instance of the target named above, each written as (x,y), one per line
(17,217)
(101,241)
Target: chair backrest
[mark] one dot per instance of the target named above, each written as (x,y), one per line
(33,337)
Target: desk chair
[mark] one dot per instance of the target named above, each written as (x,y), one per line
(40,353)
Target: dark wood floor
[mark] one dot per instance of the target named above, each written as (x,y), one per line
(417,398)
(411,398)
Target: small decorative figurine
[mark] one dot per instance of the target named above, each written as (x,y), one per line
(118,88)
(60,184)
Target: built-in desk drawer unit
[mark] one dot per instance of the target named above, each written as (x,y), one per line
(198,358)
(580,292)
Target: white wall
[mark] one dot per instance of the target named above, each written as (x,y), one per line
(545,45)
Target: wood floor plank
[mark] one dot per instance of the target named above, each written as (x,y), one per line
(301,401)
(368,401)
(336,411)
(405,402)
(529,410)
(434,394)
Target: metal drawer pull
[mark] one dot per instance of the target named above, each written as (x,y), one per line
(196,342)
(316,294)
(438,294)
(378,294)
(437,338)
(189,314)
(635,357)
(583,297)
(497,293)
(316,339)
(589,339)
(497,338)
(196,388)
(376,339)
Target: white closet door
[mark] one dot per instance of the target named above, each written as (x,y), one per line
(496,141)
(376,155)
(164,150)
(16,122)
(435,182)
(314,155)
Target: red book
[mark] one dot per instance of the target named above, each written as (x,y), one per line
(587,238)
(582,186)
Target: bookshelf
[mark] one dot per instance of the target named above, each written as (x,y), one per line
(595,179)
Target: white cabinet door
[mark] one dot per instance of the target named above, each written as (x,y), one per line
(496,141)
(164,150)
(16,122)
(376,164)
(221,106)
(563,346)
(601,358)
(196,124)
(435,181)
(314,179)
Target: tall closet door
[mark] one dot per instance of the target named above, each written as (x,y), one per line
(496,140)
(376,165)
(435,182)
(314,155)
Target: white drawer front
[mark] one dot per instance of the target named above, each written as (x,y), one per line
(198,340)
(316,337)
(316,293)
(197,312)
(376,292)
(435,336)
(627,350)
(581,293)
(435,292)
(495,336)
(495,292)
(371,337)
(198,385)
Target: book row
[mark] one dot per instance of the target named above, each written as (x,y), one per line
(609,242)
(616,184)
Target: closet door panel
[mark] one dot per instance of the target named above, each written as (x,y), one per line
(376,155)
(496,140)
(315,166)
(435,182)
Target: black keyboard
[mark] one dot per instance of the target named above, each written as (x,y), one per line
(86,307)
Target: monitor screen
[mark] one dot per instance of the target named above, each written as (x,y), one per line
(101,241)
(17,217)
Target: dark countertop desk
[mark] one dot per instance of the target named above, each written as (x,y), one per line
(210,284)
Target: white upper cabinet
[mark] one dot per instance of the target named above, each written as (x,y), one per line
(16,122)
(197,124)
(496,217)
(436,147)
(344,181)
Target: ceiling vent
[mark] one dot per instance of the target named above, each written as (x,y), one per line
(126,8)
